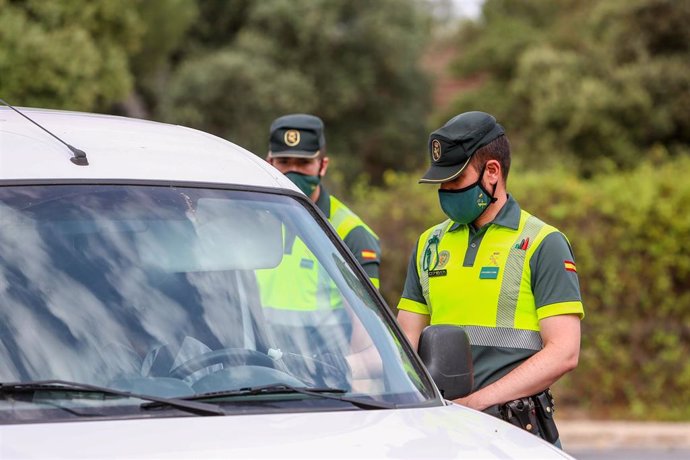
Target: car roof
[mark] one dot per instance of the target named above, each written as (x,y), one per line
(120,148)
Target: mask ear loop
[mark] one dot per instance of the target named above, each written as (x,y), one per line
(493,193)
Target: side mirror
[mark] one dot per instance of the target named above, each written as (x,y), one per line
(445,350)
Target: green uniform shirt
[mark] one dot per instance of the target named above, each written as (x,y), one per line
(549,287)
(361,240)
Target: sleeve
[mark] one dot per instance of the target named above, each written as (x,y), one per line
(367,250)
(412,297)
(555,284)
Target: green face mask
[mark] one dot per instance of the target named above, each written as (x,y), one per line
(465,205)
(304,182)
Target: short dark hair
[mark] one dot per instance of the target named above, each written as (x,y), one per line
(499,150)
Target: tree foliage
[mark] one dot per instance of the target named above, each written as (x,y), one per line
(599,82)
(225,93)
(167,24)
(354,64)
(68,54)
(230,67)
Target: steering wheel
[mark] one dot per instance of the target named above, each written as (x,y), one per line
(225,356)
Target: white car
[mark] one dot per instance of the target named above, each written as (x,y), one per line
(135,258)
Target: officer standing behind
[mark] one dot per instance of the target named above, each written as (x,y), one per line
(505,276)
(297,148)
(301,303)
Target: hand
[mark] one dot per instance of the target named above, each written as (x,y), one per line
(471,401)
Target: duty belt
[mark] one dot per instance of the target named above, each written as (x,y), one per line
(532,413)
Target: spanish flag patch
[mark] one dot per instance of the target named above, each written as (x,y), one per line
(570,266)
(368,254)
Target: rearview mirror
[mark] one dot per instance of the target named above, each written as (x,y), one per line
(445,350)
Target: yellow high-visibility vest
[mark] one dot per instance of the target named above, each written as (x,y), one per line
(300,283)
(344,221)
(493,298)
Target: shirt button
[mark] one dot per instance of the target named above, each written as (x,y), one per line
(474,245)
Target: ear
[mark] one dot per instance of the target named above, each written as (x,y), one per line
(324,166)
(492,171)
(269,158)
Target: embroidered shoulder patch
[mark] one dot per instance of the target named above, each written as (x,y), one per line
(368,254)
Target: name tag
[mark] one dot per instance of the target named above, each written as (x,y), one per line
(488,273)
(433,273)
(306,263)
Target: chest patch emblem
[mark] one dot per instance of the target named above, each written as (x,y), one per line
(433,273)
(443,258)
(488,273)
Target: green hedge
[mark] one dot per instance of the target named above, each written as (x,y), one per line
(631,238)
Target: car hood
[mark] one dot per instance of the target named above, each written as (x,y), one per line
(439,432)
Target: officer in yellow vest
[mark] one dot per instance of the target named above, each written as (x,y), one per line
(297,148)
(506,277)
(298,295)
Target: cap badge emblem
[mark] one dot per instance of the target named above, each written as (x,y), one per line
(435,150)
(291,137)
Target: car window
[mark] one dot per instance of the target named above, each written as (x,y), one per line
(177,291)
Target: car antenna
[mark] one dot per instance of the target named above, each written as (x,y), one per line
(79,157)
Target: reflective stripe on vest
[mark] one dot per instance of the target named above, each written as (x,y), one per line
(497,310)
(503,337)
(512,275)
(344,220)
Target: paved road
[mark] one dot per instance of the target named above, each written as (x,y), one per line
(631,454)
(586,440)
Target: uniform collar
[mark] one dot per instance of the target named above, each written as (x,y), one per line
(508,216)
(324,202)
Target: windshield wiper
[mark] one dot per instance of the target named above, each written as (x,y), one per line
(278,388)
(198,408)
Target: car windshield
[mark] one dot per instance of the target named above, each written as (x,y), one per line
(181,291)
